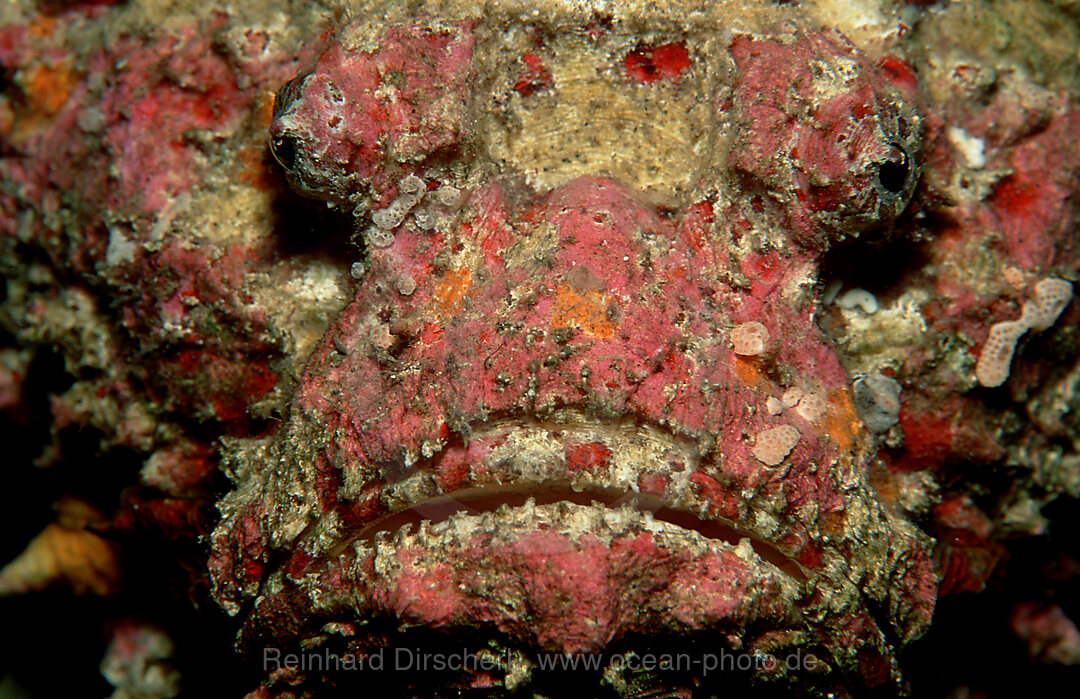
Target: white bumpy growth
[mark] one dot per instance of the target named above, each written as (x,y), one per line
(772,446)
(749,339)
(1039,313)
(858,297)
(1051,297)
(410,191)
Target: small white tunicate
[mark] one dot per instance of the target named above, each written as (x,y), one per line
(811,407)
(448,195)
(406,285)
(1051,297)
(391,216)
(383,219)
(120,248)
(408,201)
(1039,313)
(412,185)
(357,270)
(91,119)
(970,147)
(791,397)
(749,339)
(425,220)
(858,297)
(1016,277)
(380,336)
(379,237)
(992,368)
(772,446)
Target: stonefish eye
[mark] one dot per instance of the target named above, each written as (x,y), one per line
(893,174)
(283,148)
(283,145)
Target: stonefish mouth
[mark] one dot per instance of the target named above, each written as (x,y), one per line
(535,520)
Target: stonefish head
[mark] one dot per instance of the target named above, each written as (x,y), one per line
(532,424)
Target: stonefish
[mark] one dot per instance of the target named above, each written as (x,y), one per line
(531,425)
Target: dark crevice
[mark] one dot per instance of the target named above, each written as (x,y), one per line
(57,8)
(883,268)
(1040,569)
(308,227)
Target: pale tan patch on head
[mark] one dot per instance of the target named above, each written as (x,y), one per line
(595,119)
(812,407)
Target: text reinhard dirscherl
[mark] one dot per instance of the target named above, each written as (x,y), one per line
(417,660)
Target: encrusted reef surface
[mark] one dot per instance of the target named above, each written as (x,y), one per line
(665,349)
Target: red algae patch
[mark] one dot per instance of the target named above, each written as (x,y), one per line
(666,62)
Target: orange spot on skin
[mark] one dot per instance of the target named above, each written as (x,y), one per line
(451,290)
(840,421)
(7,119)
(748,372)
(587,311)
(48,88)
